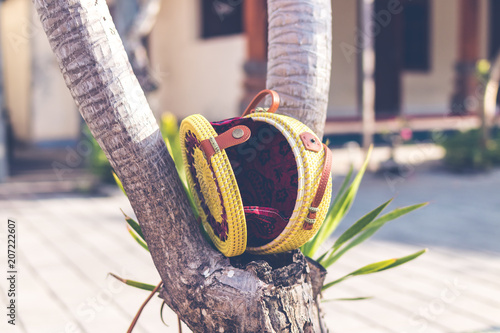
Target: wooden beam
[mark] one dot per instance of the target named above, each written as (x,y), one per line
(255,25)
(468,53)
(366,71)
(468,46)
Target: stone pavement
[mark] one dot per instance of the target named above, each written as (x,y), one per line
(67,243)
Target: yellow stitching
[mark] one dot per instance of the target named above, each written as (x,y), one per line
(214,144)
(310,221)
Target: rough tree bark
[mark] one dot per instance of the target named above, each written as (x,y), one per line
(299,58)
(210,292)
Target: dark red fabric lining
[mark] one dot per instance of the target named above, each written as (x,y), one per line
(266,173)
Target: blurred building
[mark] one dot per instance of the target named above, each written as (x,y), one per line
(209,56)
(40,108)
(426,55)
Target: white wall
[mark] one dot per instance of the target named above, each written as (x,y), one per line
(54,115)
(14,18)
(198,76)
(40,106)
(342,100)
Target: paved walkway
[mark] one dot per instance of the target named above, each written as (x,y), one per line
(68,243)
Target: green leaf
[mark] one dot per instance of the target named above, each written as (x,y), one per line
(396,213)
(377,267)
(191,200)
(373,268)
(161,313)
(369,231)
(170,131)
(135,284)
(368,269)
(339,210)
(344,185)
(118,182)
(323,256)
(169,126)
(357,227)
(138,239)
(306,248)
(406,259)
(346,299)
(134,225)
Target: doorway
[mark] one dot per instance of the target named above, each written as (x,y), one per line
(402,43)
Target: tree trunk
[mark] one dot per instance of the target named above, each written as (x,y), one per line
(208,291)
(300,55)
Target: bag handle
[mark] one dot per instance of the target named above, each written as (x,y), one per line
(320,192)
(275,102)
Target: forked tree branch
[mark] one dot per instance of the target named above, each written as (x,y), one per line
(200,284)
(300,55)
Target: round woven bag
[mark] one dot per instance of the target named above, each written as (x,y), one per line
(261,182)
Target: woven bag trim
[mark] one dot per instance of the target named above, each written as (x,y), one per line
(294,236)
(237,232)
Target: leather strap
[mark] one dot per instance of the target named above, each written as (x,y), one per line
(232,137)
(320,192)
(275,103)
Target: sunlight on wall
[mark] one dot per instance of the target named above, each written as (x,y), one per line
(16,47)
(198,75)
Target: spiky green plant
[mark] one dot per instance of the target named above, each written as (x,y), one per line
(360,231)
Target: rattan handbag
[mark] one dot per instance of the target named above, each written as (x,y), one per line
(261,182)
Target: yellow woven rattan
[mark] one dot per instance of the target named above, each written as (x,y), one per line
(217,184)
(218,187)
(309,166)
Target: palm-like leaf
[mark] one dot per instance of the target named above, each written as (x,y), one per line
(377,267)
(137,238)
(134,225)
(369,230)
(135,284)
(337,211)
(368,269)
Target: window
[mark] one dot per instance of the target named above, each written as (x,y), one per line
(221,17)
(416,35)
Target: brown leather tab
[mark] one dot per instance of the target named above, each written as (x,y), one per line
(275,102)
(320,192)
(232,137)
(311,142)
